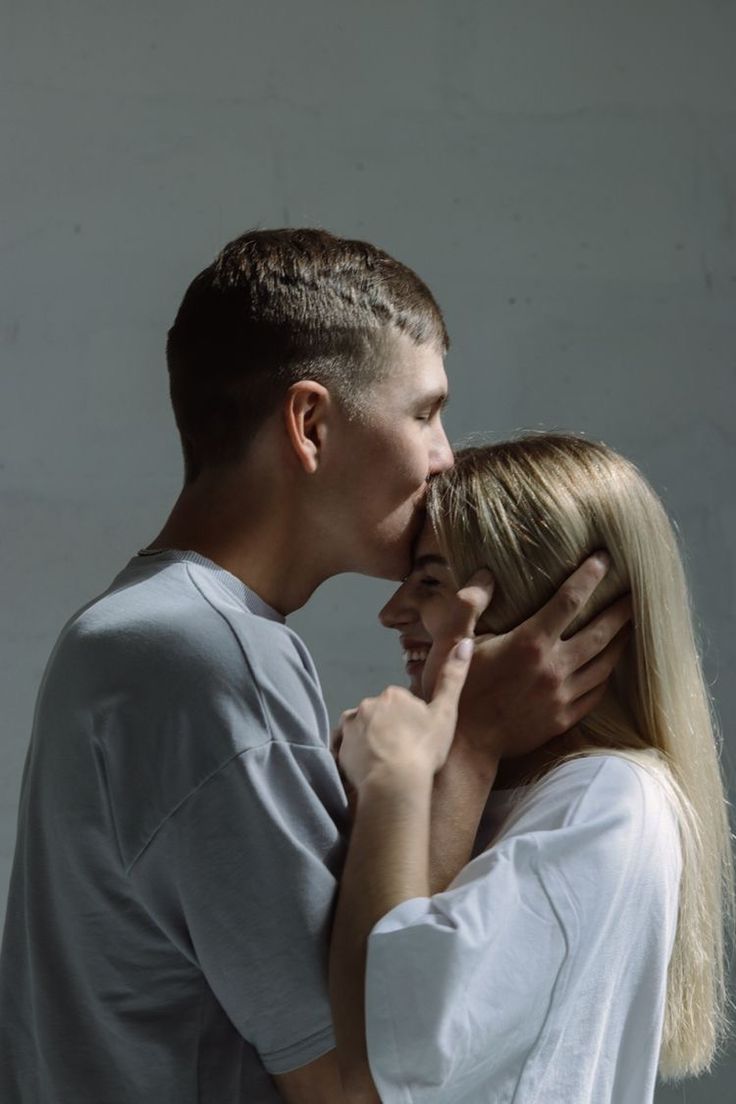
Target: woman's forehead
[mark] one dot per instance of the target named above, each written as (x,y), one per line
(427,549)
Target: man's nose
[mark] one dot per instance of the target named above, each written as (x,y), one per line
(441,457)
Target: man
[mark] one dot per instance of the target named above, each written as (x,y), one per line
(181,821)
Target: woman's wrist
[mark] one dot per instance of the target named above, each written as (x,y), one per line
(405,781)
(389,842)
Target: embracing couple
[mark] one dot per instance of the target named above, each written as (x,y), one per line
(509,882)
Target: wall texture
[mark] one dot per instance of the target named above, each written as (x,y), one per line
(561,172)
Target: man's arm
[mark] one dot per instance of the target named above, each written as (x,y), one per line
(524,689)
(459,796)
(532,684)
(317,1083)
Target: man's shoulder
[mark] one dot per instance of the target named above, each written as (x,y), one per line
(170,678)
(175,665)
(180,618)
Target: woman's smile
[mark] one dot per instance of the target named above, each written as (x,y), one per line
(414,655)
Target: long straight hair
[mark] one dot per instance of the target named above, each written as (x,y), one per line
(531,510)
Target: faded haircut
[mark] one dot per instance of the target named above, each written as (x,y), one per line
(278,306)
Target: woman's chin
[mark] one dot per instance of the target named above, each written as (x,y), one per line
(414,670)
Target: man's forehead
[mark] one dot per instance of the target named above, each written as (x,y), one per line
(417,371)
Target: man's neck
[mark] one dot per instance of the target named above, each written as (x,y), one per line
(256,545)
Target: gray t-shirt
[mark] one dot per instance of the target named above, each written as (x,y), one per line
(180,836)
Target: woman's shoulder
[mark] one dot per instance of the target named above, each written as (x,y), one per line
(624,771)
(593,828)
(596,828)
(626,780)
(622,797)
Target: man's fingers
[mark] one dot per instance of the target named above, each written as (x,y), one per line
(451,678)
(590,676)
(583,706)
(336,738)
(336,742)
(459,618)
(591,641)
(564,606)
(475,597)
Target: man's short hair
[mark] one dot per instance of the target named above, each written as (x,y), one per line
(277,306)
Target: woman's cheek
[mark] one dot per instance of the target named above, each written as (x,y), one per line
(441,616)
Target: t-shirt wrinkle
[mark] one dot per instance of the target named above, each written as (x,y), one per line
(576,806)
(172,812)
(238,641)
(271,744)
(570,821)
(559,981)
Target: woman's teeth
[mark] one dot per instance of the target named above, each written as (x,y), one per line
(416,655)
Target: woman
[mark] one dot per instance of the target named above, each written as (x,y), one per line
(582,948)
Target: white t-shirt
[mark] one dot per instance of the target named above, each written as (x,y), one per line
(540,974)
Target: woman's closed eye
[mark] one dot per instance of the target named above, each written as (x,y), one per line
(429,582)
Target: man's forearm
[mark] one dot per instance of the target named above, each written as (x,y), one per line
(459,796)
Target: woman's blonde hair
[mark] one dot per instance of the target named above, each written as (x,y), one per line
(531,510)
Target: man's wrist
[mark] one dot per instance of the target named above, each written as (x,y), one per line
(474,756)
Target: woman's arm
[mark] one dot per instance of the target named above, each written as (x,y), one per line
(387,863)
(411,835)
(392,747)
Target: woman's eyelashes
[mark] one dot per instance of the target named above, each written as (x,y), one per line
(429,582)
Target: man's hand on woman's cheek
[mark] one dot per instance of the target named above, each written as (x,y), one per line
(529,685)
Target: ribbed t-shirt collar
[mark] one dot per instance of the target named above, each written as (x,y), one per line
(237,587)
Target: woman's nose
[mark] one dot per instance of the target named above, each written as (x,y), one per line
(399,610)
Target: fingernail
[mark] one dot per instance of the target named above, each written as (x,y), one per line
(464,649)
(603,558)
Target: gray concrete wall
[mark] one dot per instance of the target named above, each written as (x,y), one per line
(563,174)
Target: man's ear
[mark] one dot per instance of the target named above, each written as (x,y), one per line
(306,410)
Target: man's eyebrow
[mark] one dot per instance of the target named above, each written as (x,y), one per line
(436,398)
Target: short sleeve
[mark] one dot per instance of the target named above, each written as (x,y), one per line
(458,986)
(466,991)
(243,878)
